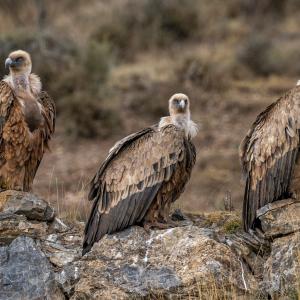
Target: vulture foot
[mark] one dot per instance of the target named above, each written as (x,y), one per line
(159,225)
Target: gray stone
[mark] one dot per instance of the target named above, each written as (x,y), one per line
(58,226)
(251,248)
(25,272)
(27,204)
(63,248)
(280,218)
(12,226)
(67,278)
(282,268)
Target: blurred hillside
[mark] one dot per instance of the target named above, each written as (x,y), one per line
(111,67)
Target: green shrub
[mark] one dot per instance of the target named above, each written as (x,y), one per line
(255,54)
(83,112)
(232,226)
(84,115)
(51,56)
(139,25)
(75,77)
(264,57)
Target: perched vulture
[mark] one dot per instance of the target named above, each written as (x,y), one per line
(143,174)
(269,155)
(27,116)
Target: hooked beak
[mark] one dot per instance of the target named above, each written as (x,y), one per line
(182,104)
(8,62)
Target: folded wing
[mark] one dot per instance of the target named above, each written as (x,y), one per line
(6,102)
(130,178)
(43,137)
(268,154)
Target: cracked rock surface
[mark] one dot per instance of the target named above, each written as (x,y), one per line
(40,256)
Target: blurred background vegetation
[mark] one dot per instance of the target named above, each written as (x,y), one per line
(111,67)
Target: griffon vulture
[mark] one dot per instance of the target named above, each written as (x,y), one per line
(143,174)
(27,116)
(269,154)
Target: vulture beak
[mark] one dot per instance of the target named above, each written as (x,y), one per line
(182,104)
(8,62)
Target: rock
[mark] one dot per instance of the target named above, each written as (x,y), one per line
(29,205)
(25,272)
(178,262)
(282,269)
(62,249)
(12,226)
(67,278)
(280,218)
(251,248)
(58,226)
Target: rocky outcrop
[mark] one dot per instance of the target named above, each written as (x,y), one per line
(208,256)
(281,223)
(179,262)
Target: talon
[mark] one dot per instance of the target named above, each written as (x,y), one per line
(147,227)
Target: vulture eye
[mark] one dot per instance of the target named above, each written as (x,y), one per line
(19,59)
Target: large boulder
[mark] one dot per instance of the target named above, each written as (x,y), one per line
(25,272)
(179,262)
(26,204)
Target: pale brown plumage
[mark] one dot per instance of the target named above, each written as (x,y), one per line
(269,156)
(142,175)
(27,121)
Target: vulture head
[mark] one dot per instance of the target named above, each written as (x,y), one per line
(19,62)
(179,104)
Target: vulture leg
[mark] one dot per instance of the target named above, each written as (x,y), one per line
(167,219)
(155,218)
(159,217)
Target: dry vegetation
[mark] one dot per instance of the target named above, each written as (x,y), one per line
(112,65)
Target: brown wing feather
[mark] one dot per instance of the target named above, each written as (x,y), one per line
(268,154)
(6,101)
(130,178)
(43,136)
(49,114)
